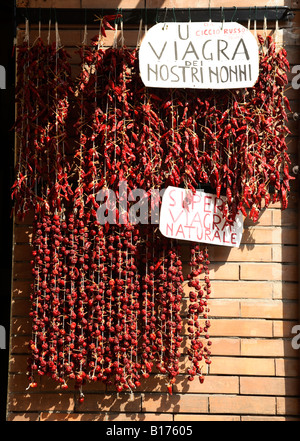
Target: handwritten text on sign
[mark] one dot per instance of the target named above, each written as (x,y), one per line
(198,218)
(205,55)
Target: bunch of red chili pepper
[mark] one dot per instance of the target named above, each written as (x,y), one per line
(232,141)
(43,94)
(106,297)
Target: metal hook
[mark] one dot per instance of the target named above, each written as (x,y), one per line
(249,18)
(57,37)
(85,33)
(146,20)
(115,42)
(122,29)
(26,36)
(49,30)
(265,21)
(223,17)
(235,11)
(40,22)
(276,29)
(255,18)
(139,38)
(164,26)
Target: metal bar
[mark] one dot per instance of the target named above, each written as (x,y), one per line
(75,16)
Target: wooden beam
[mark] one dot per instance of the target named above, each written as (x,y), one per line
(157,15)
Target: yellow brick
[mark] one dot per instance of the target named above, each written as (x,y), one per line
(106,416)
(265,219)
(190,417)
(242,405)
(225,346)
(22,252)
(21,326)
(281,253)
(267,347)
(18,363)
(228,271)
(213,384)
(220,346)
(193,403)
(14,416)
(288,406)
(224,308)
(259,253)
(241,328)
(22,270)
(269,309)
(21,288)
(242,366)
(38,402)
(109,402)
(288,291)
(287,367)
(269,386)
(286,218)
(20,307)
(283,328)
(255,235)
(241,289)
(50,416)
(267,418)
(18,344)
(17,382)
(269,271)
(275,235)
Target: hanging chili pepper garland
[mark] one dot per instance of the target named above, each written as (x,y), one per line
(106,298)
(42,94)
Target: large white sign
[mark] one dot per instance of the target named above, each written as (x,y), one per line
(197,217)
(206,55)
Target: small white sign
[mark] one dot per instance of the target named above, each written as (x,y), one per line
(208,55)
(198,217)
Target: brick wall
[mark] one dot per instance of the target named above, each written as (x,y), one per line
(254,373)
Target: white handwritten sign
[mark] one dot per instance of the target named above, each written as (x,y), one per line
(206,55)
(197,217)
